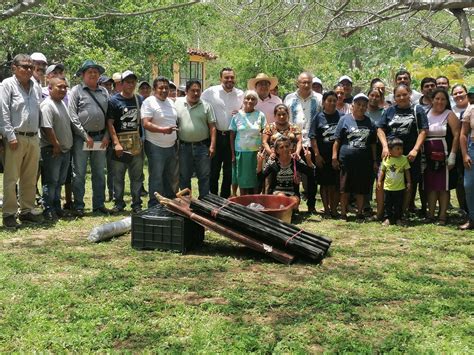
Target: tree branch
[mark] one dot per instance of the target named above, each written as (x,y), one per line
(449,47)
(464,25)
(19,8)
(110,14)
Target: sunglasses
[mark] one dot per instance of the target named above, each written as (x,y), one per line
(26,66)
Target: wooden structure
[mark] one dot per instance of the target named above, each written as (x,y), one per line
(195,68)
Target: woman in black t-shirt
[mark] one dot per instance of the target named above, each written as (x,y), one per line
(409,124)
(322,130)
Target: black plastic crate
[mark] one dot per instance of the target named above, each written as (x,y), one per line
(159,228)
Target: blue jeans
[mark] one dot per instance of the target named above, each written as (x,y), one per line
(135,173)
(54,174)
(194,158)
(163,171)
(469,182)
(79,170)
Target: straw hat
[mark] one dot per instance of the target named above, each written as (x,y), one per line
(262,77)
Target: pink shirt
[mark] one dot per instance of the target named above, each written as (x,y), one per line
(267,106)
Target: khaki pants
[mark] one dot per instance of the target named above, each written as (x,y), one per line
(20,165)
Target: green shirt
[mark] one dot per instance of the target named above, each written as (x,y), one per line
(394,169)
(193,120)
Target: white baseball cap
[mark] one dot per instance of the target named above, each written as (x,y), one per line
(345,77)
(39,57)
(360,96)
(316,80)
(128,73)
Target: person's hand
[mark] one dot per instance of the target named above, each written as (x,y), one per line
(105,142)
(56,150)
(467,162)
(169,130)
(412,155)
(385,153)
(233,158)
(451,161)
(319,161)
(13,144)
(260,157)
(307,154)
(408,186)
(273,155)
(379,185)
(212,151)
(118,150)
(335,164)
(89,142)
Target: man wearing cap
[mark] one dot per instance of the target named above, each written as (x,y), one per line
(123,115)
(19,124)
(144,89)
(346,82)
(303,105)
(107,83)
(117,85)
(56,142)
(225,100)
(197,137)
(40,62)
(88,103)
(317,85)
(470,95)
(53,71)
(262,84)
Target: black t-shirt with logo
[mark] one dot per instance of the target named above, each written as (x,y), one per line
(400,123)
(124,112)
(323,128)
(356,137)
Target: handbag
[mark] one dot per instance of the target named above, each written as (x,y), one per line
(131,141)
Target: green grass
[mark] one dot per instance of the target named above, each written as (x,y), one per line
(392,289)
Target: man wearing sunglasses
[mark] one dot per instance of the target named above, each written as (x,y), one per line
(19,123)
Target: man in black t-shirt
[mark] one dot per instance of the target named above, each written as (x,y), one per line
(123,116)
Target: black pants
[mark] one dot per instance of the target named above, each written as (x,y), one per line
(222,159)
(393,204)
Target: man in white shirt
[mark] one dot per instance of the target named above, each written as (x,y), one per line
(159,119)
(304,105)
(225,100)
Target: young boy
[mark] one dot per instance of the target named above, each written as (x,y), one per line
(395,171)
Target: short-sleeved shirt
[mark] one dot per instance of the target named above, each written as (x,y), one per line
(400,123)
(323,129)
(302,111)
(193,120)
(223,104)
(394,168)
(56,116)
(163,114)
(124,112)
(248,127)
(355,136)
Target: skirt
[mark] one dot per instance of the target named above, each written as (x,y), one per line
(356,179)
(436,174)
(244,170)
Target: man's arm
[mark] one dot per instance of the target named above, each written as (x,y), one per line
(7,127)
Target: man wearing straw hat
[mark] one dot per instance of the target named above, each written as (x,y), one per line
(262,84)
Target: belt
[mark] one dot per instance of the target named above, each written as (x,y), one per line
(203,142)
(28,134)
(224,133)
(96,133)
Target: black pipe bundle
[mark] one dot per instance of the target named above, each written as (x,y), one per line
(262,227)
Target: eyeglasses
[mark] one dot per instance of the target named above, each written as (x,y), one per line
(26,66)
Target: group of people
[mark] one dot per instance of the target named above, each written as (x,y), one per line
(252,141)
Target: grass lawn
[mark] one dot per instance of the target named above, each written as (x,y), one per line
(382,289)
